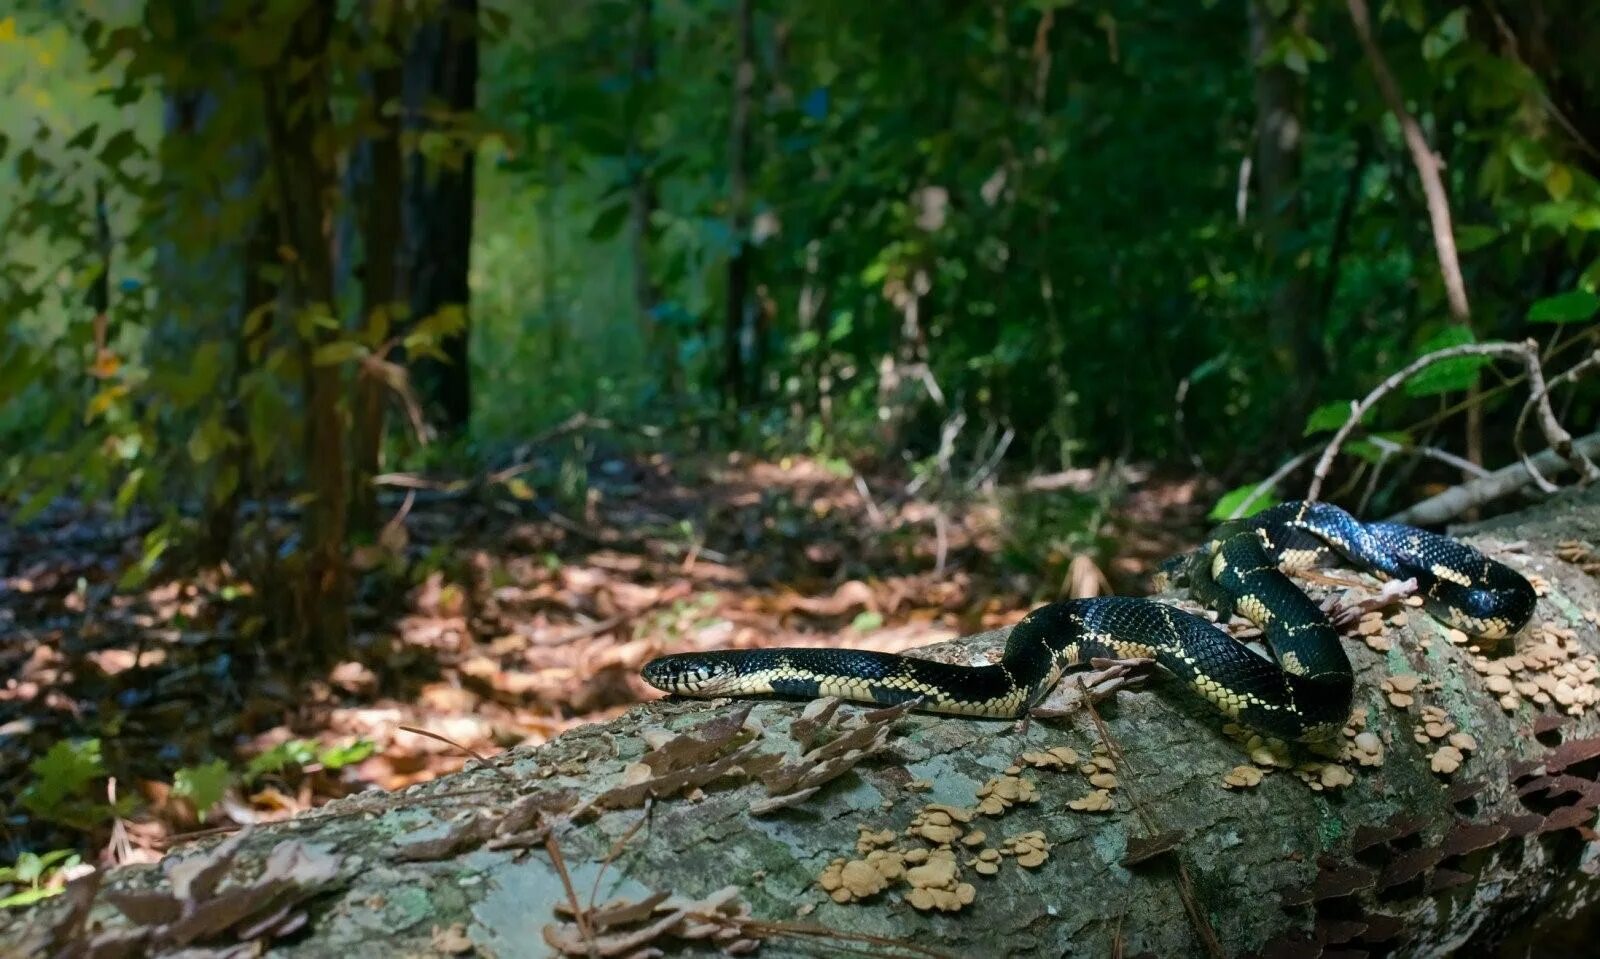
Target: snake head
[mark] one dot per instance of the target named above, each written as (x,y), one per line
(697,674)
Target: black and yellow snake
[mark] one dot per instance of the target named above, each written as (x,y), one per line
(1303,694)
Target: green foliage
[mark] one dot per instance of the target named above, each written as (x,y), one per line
(67,784)
(31,877)
(301,754)
(203,785)
(1450,374)
(1252,499)
(1327,417)
(1574,307)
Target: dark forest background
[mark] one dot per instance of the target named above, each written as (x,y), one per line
(438,361)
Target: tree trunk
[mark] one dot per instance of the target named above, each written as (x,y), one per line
(296,98)
(739,137)
(1280,146)
(656,337)
(380,287)
(1402,859)
(441,72)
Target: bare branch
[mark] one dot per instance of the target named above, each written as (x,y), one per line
(1429,452)
(1528,352)
(1541,392)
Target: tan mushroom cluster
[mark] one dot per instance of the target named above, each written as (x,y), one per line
(1060,757)
(1030,848)
(1402,690)
(1370,629)
(1324,776)
(1101,772)
(1550,668)
(1243,777)
(851,880)
(935,884)
(1002,792)
(939,824)
(1436,724)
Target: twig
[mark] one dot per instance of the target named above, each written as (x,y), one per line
(1527,351)
(1428,452)
(579,916)
(1541,391)
(873,513)
(617,847)
(482,760)
(1266,485)
(986,470)
(1453,502)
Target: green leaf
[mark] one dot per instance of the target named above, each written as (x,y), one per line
(1450,375)
(62,773)
(85,137)
(428,336)
(28,897)
(293,752)
(338,757)
(866,620)
(1474,236)
(1446,36)
(1559,182)
(1231,500)
(1574,307)
(1327,417)
(120,147)
(203,785)
(607,222)
(339,351)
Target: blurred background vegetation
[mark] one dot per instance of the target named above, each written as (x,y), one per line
(263,261)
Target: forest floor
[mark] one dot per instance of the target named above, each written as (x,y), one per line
(499,620)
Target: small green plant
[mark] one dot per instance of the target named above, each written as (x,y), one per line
(33,877)
(65,786)
(203,785)
(304,755)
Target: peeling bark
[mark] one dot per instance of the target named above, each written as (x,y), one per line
(1402,860)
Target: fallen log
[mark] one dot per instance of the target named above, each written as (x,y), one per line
(1460,801)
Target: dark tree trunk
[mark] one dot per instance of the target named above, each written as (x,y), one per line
(203,276)
(1280,142)
(441,74)
(656,336)
(739,138)
(296,100)
(381,293)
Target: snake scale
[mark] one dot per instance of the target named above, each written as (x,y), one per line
(1303,691)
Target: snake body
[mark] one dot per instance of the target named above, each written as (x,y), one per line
(1302,692)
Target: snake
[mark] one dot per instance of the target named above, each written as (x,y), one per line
(1299,688)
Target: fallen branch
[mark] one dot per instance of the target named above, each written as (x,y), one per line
(1456,500)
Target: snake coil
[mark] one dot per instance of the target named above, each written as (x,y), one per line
(1303,692)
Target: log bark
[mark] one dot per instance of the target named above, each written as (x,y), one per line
(1403,860)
